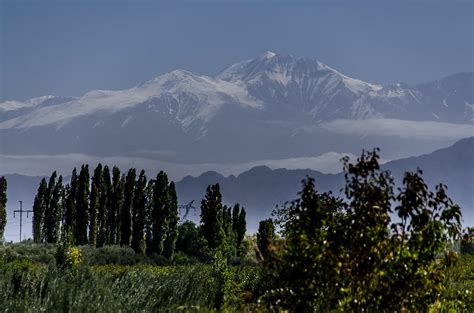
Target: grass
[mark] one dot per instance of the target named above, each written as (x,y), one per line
(30,282)
(112,279)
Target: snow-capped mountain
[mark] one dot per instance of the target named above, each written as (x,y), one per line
(254,105)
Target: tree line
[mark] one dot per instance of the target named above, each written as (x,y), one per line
(126,209)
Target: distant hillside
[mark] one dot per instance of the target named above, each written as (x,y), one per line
(260,189)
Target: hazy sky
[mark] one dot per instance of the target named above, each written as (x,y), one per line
(70,47)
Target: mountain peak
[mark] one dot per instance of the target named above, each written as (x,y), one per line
(268,55)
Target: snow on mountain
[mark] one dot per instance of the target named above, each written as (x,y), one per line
(184,95)
(13,105)
(277,83)
(255,107)
(286,68)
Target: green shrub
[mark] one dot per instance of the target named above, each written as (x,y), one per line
(349,255)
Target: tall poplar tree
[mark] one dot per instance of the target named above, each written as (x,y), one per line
(159,212)
(104,207)
(239,225)
(39,206)
(148,211)
(265,236)
(116,203)
(49,213)
(96,190)
(69,214)
(3,206)
(82,206)
(53,217)
(212,217)
(139,214)
(126,219)
(241,229)
(172,221)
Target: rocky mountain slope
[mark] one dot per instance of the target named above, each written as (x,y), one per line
(272,98)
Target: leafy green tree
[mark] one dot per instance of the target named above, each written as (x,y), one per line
(350,256)
(169,244)
(212,218)
(159,213)
(69,214)
(53,209)
(126,217)
(148,216)
(239,225)
(103,235)
(116,204)
(188,239)
(57,203)
(139,214)
(265,236)
(3,206)
(96,192)
(82,206)
(39,207)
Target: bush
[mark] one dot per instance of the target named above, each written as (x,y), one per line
(350,256)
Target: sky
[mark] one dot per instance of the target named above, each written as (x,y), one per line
(67,48)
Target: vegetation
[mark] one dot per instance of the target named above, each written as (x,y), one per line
(108,211)
(349,255)
(116,244)
(265,236)
(3,206)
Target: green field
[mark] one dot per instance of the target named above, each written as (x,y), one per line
(31,282)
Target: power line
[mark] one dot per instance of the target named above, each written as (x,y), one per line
(21,214)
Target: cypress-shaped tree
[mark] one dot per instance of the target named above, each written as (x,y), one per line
(82,206)
(161,199)
(172,221)
(39,207)
(69,214)
(126,219)
(49,212)
(235,216)
(96,190)
(212,217)
(148,212)
(56,207)
(116,203)
(104,207)
(265,236)
(139,214)
(240,230)
(3,206)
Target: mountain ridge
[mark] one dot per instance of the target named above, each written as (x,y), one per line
(270,73)
(260,189)
(268,107)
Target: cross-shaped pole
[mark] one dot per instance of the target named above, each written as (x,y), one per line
(21,214)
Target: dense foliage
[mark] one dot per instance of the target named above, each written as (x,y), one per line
(350,256)
(222,227)
(108,210)
(116,244)
(265,236)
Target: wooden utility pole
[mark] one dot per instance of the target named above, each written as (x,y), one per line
(21,214)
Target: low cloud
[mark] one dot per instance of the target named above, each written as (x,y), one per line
(400,128)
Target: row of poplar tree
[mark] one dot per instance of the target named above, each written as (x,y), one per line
(127,210)
(103,210)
